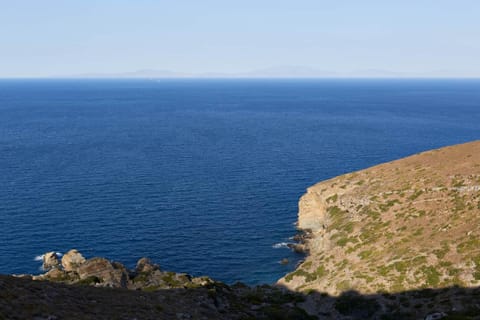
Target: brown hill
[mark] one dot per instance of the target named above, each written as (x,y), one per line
(408,224)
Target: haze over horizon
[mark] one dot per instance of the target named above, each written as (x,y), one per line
(249,39)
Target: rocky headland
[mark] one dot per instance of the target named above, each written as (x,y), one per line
(406,225)
(400,240)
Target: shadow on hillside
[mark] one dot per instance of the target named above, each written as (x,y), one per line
(26,299)
(446,303)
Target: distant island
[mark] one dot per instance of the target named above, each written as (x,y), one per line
(400,240)
(276,72)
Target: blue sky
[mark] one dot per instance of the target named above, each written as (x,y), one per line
(43,38)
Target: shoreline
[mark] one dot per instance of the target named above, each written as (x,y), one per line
(398,240)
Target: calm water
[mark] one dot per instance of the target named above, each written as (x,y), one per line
(202,176)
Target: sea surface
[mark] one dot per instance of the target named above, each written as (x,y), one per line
(202,176)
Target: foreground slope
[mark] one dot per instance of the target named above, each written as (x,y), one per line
(24,298)
(408,224)
(97,288)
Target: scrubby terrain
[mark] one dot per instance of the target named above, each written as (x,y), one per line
(405,225)
(22,298)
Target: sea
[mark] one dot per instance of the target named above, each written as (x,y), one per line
(203,176)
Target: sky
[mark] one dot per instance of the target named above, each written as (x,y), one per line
(66,37)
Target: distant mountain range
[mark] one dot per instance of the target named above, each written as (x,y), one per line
(271,72)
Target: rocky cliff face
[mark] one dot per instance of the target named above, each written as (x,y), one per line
(408,224)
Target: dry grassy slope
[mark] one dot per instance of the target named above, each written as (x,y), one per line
(407,224)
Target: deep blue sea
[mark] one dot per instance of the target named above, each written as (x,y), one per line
(202,176)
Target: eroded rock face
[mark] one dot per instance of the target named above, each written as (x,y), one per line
(107,273)
(72,260)
(50,261)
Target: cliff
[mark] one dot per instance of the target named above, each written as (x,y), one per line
(408,224)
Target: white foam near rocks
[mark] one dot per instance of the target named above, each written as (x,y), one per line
(281,245)
(39,258)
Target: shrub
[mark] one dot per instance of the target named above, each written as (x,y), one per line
(415,195)
(432,276)
(332,198)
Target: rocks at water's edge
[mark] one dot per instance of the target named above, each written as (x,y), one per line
(101,272)
(145,265)
(50,261)
(71,260)
(68,291)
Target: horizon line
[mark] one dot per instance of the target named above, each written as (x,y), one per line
(242,78)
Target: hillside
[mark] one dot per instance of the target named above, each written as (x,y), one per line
(408,224)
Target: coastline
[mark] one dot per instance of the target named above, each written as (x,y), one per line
(364,234)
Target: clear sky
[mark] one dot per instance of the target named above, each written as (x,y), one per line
(64,37)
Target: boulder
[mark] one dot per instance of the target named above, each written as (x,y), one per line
(72,260)
(298,247)
(146,265)
(109,274)
(50,261)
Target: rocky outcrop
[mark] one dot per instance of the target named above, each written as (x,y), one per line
(145,265)
(50,261)
(101,272)
(71,260)
(403,225)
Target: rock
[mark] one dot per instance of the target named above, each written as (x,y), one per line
(56,274)
(202,281)
(109,274)
(303,235)
(435,316)
(298,247)
(50,261)
(146,265)
(72,260)
(284,261)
